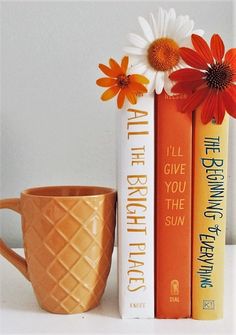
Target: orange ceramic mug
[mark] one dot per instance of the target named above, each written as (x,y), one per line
(68,234)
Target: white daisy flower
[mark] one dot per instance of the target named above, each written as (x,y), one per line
(156,54)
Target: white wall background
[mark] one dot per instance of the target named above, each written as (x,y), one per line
(54,129)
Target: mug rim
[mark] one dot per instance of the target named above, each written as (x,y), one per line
(96,191)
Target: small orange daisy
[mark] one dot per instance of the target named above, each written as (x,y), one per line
(211,80)
(119,82)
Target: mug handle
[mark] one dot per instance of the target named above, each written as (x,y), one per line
(18,261)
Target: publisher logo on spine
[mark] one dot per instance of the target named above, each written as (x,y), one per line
(209,304)
(174,290)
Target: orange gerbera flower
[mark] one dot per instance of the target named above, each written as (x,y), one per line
(210,81)
(121,83)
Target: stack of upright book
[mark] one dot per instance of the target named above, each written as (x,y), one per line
(175,98)
(172,185)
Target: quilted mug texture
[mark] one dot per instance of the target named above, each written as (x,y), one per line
(68,243)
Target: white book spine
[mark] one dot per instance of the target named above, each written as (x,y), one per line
(135,177)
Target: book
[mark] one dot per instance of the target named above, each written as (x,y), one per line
(135,179)
(173,141)
(209,217)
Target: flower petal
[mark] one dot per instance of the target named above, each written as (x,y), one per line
(187,86)
(232,90)
(186,42)
(168,84)
(230,57)
(110,93)
(137,88)
(184,30)
(124,64)
(180,65)
(176,26)
(139,79)
(209,106)
(135,51)
(115,67)
(150,74)
(154,25)
(217,47)
(193,59)
(165,25)
(186,75)
(136,59)
(202,48)
(147,30)
(171,23)
(159,82)
(172,14)
(107,71)
(138,68)
(160,23)
(199,32)
(219,112)
(194,100)
(131,96)
(137,41)
(106,82)
(229,102)
(121,99)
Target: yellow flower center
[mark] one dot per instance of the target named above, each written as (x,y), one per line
(163,54)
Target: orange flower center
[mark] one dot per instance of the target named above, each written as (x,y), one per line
(163,54)
(123,81)
(219,76)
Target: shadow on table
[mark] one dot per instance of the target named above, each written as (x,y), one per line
(106,308)
(20,297)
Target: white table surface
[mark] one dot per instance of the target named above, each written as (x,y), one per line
(20,313)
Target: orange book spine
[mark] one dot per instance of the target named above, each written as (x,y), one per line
(173,145)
